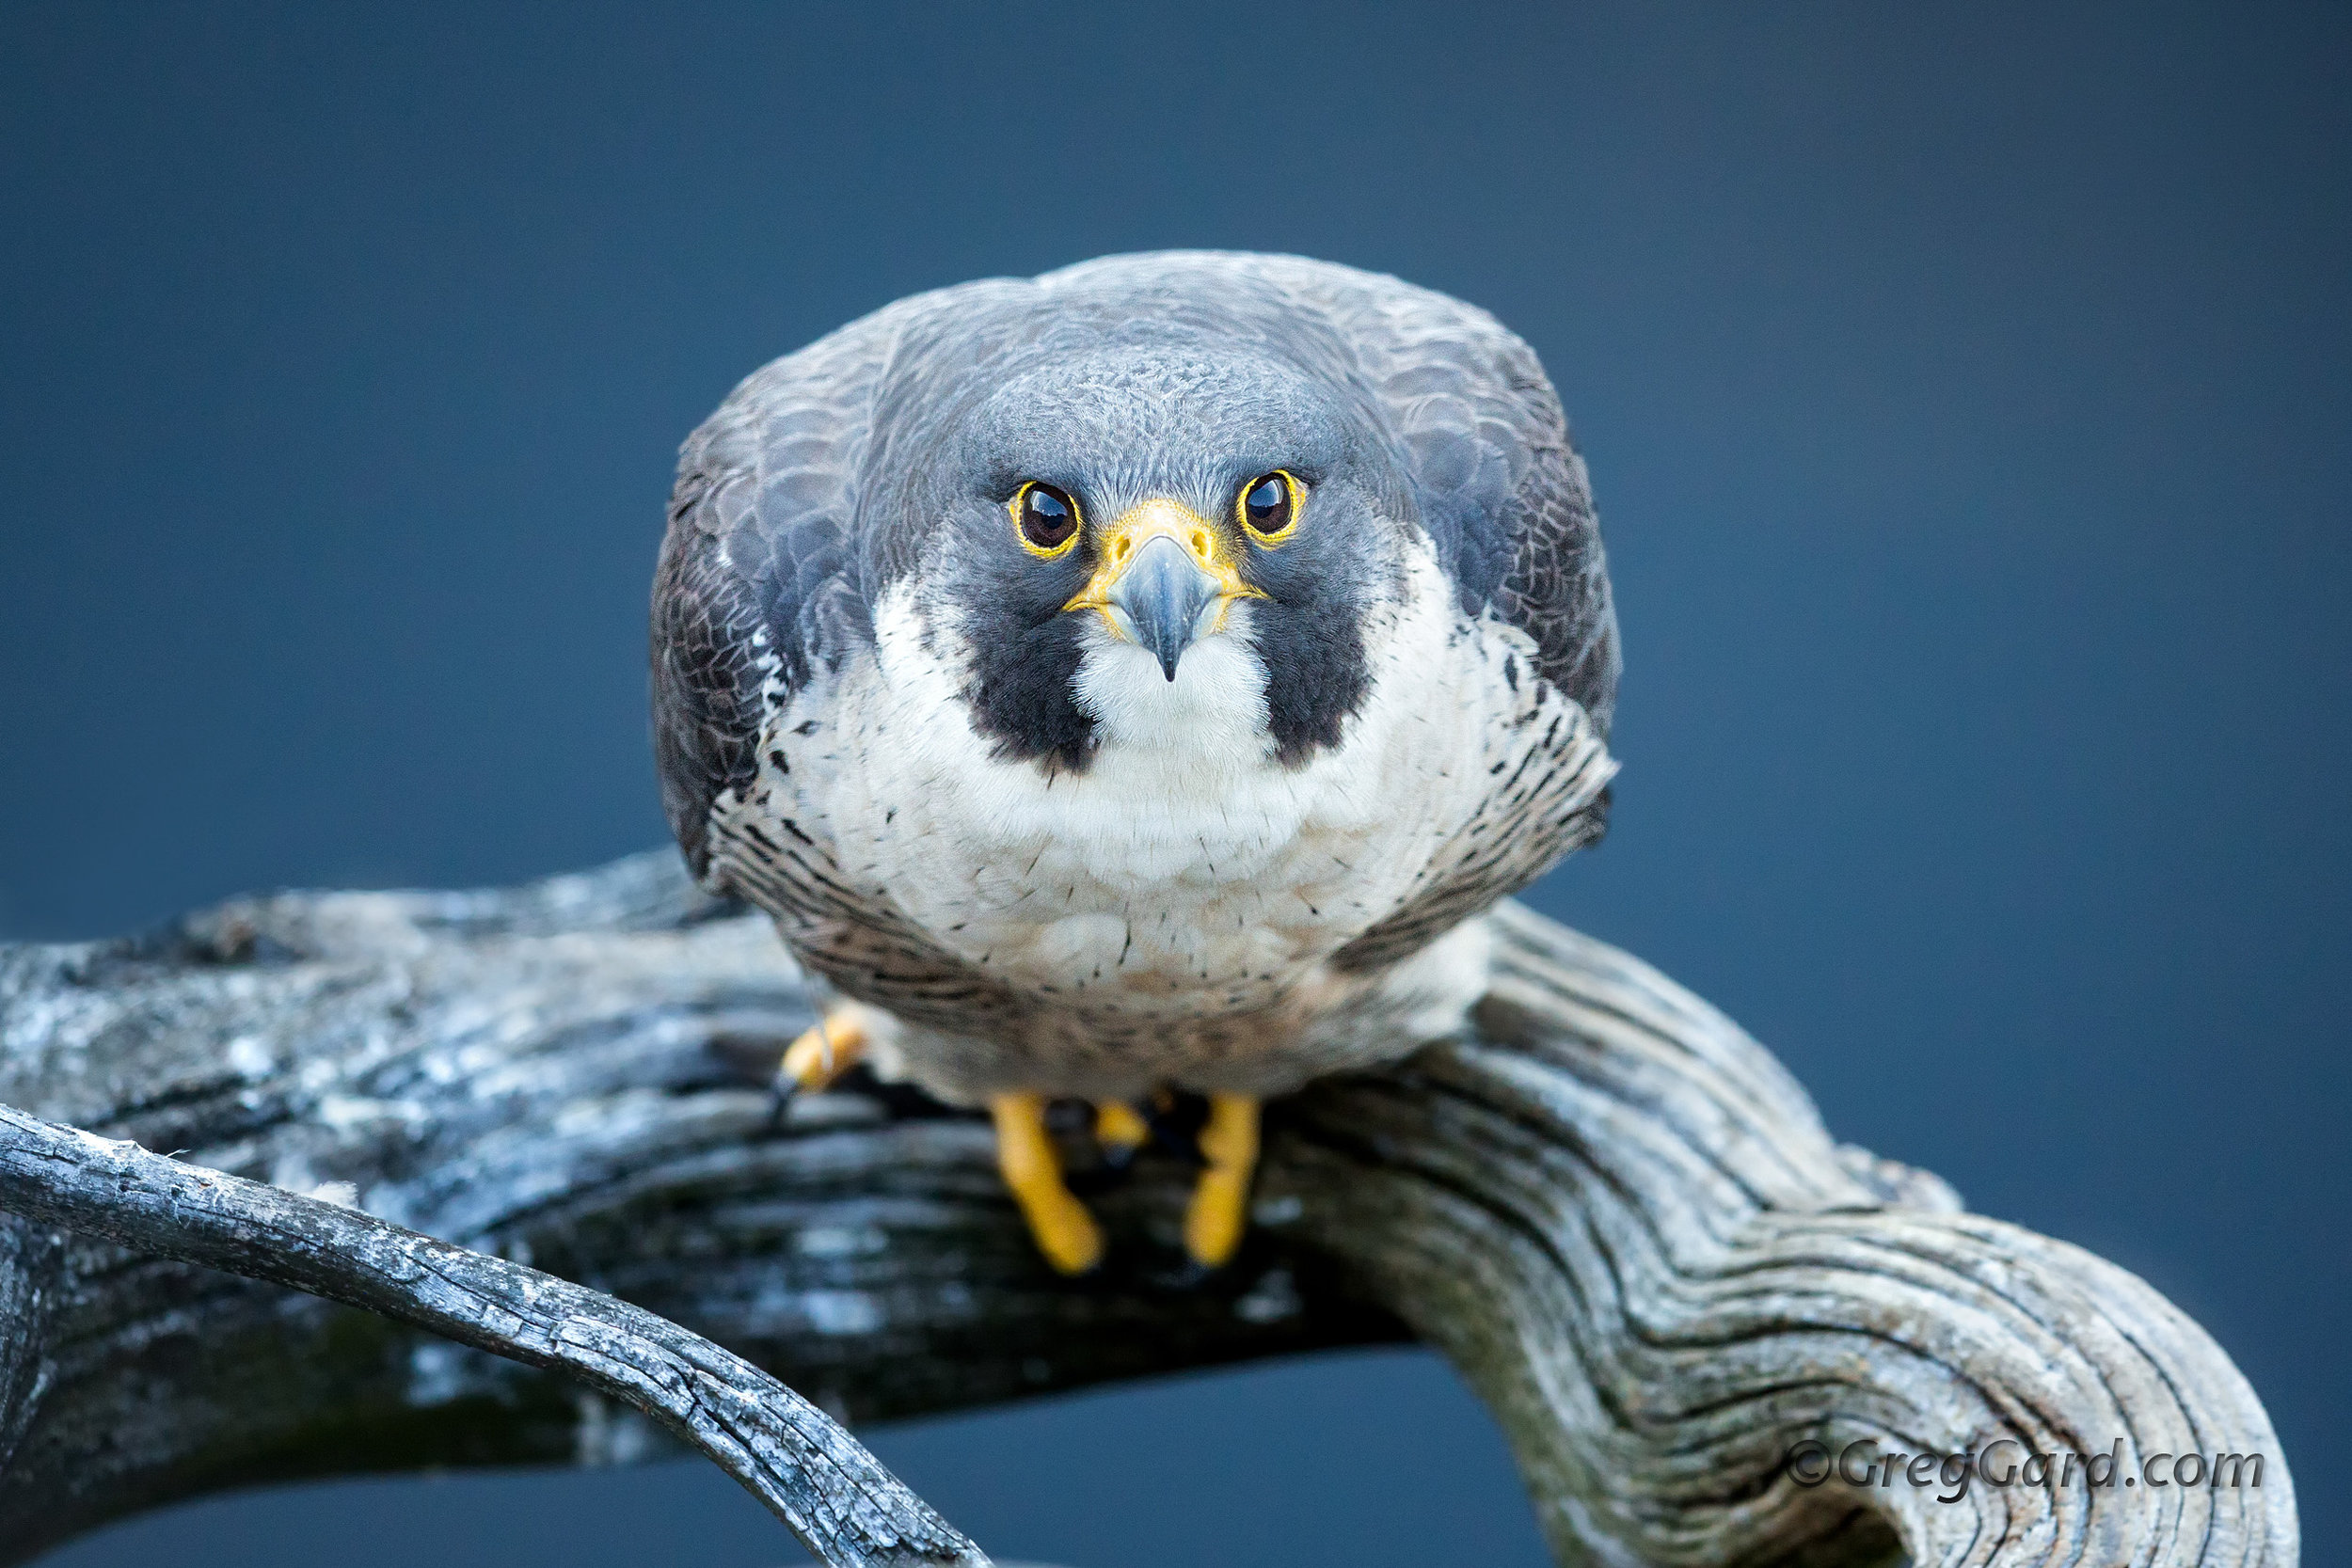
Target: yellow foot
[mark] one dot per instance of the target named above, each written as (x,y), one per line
(1219,1211)
(1120,1130)
(1059,1222)
(825,1053)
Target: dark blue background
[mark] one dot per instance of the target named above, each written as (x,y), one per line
(1966,388)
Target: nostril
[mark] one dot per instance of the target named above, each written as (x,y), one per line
(1123,550)
(1200,545)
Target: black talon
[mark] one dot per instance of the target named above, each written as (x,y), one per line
(781,1093)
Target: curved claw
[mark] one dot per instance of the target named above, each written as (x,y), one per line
(823,1053)
(818,1056)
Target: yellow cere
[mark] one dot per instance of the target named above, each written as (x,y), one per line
(1132,529)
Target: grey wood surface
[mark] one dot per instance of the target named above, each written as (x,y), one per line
(1611,1209)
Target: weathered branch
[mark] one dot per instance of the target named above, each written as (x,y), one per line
(1611,1209)
(837,1499)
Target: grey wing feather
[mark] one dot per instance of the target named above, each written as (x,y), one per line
(755,584)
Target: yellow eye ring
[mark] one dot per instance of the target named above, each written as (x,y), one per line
(1267,520)
(1045,520)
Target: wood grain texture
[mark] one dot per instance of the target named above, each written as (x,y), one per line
(836,1497)
(1614,1211)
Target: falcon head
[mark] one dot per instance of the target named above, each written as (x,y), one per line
(1201,511)
(1146,532)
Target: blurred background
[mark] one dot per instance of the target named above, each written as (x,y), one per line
(1966,389)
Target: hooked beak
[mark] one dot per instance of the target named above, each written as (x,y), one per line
(1164,580)
(1161,600)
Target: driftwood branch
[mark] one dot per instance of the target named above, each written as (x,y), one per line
(835,1496)
(1614,1211)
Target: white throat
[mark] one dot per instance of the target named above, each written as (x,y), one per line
(1184,854)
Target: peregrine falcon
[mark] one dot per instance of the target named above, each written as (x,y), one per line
(1130,681)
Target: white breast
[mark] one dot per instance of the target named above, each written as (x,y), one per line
(1185,870)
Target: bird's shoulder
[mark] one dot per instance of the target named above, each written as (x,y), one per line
(754,588)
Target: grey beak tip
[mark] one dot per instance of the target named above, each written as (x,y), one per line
(1162,595)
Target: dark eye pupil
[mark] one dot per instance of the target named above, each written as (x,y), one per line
(1268,504)
(1047,518)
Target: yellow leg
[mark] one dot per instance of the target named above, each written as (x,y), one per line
(1119,1128)
(1063,1231)
(825,1053)
(1220,1201)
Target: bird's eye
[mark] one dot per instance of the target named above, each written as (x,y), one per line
(1046,520)
(1268,507)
